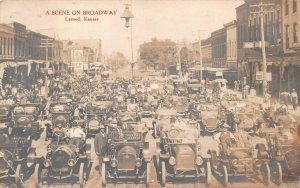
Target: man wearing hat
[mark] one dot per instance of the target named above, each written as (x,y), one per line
(294,99)
(224,137)
(100,144)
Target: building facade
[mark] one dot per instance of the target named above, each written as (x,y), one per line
(231,45)
(6,43)
(249,44)
(290,77)
(219,51)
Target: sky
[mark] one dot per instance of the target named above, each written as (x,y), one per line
(178,20)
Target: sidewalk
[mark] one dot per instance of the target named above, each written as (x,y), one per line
(259,100)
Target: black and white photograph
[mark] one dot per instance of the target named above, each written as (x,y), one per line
(149,93)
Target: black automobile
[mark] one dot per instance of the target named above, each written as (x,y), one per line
(24,125)
(17,158)
(61,115)
(128,157)
(5,113)
(63,160)
(95,116)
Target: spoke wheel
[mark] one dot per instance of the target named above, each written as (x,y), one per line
(148,174)
(103,172)
(19,176)
(208,173)
(38,176)
(266,173)
(82,174)
(224,175)
(163,173)
(277,173)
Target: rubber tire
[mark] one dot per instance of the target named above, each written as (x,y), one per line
(81,174)
(103,176)
(37,176)
(278,172)
(148,174)
(19,171)
(267,174)
(225,175)
(208,173)
(163,174)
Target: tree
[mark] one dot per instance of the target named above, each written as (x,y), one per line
(158,54)
(117,60)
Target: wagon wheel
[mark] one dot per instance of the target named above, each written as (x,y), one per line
(19,176)
(38,176)
(103,172)
(224,173)
(148,174)
(277,172)
(163,173)
(266,173)
(208,173)
(82,174)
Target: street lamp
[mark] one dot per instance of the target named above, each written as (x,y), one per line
(127,15)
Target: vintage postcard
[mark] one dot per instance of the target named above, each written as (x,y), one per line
(149,93)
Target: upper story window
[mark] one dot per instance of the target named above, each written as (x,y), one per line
(294,6)
(286,7)
(295,31)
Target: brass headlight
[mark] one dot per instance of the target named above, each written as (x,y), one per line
(199,161)
(234,162)
(138,162)
(172,161)
(47,163)
(71,162)
(113,163)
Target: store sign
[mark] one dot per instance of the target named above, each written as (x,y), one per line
(259,76)
(219,73)
(248,44)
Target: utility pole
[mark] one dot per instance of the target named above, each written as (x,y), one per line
(200,56)
(47,43)
(261,10)
(199,33)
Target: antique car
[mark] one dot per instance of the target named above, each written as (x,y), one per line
(61,115)
(128,157)
(181,155)
(194,86)
(24,125)
(163,118)
(181,105)
(210,120)
(238,158)
(5,113)
(17,158)
(95,116)
(180,88)
(64,159)
(284,151)
(33,109)
(239,115)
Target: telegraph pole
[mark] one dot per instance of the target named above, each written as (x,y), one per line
(261,10)
(200,56)
(47,43)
